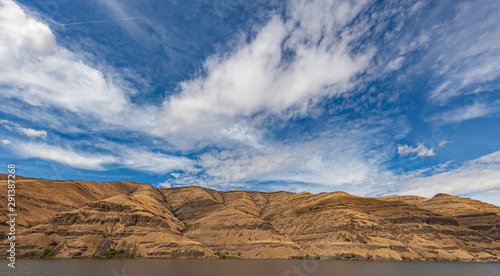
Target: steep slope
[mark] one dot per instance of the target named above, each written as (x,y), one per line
(79,219)
(233,227)
(39,199)
(476,215)
(342,226)
(139,224)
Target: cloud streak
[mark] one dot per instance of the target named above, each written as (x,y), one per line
(464,50)
(313,98)
(64,156)
(465,113)
(29,132)
(260,77)
(475,176)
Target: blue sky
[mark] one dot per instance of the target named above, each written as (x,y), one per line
(369,97)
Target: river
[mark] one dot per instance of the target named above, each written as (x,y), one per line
(244,267)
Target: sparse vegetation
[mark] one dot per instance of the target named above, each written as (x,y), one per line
(54,243)
(186,227)
(225,256)
(457,259)
(491,253)
(47,253)
(112,253)
(348,240)
(365,242)
(404,258)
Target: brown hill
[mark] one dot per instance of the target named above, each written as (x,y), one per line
(79,219)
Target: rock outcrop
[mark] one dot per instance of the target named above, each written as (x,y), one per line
(83,219)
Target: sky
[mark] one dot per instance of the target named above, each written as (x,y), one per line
(368,97)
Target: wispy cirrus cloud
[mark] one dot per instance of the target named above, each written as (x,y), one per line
(110,156)
(42,74)
(312,98)
(259,76)
(479,175)
(62,155)
(29,132)
(464,113)
(464,50)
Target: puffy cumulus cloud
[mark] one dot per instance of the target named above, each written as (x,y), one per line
(22,35)
(421,150)
(165,184)
(290,64)
(480,175)
(37,71)
(395,64)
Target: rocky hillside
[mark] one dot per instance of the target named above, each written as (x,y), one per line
(82,219)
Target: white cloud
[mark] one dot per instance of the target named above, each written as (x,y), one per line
(32,132)
(395,64)
(147,161)
(338,159)
(6,142)
(122,157)
(176,175)
(489,158)
(242,133)
(443,143)
(257,77)
(229,166)
(24,131)
(465,50)
(165,184)
(476,176)
(460,114)
(421,150)
(64,156)
(39,72)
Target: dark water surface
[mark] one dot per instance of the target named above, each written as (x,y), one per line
(243,267)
